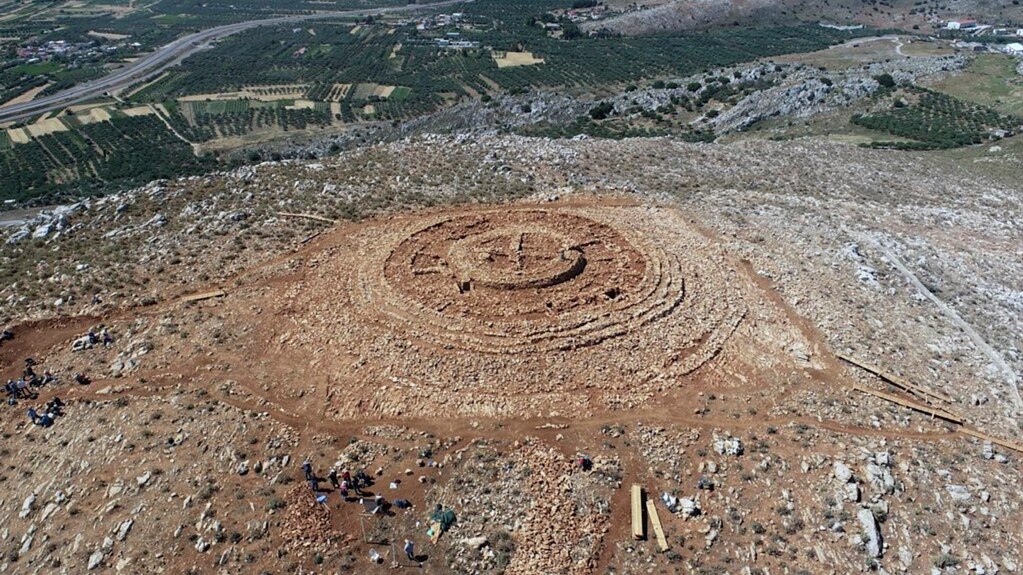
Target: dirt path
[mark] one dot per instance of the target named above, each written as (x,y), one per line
(166,122)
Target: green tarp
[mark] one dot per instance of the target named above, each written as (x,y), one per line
(445,517)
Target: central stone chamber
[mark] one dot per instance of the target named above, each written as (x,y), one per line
(513,258)
(522,265)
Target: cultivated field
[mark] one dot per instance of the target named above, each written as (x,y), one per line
(991,80)
(267,93)
(511,59)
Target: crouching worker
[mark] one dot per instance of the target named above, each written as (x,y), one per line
(44,420)
(54,407)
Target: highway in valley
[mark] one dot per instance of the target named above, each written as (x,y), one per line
(171,54)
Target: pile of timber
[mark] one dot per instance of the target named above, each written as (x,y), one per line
(202,296)
(638,522)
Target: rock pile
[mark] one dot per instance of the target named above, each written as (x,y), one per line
(305,524)
(557,533)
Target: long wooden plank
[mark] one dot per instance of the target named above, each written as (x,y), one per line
(896,380)
(943,414)
(202,296)
(1003,442)
(655,521)
(933,411)
(307,216)
(637,511)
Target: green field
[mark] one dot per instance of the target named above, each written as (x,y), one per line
(171,18)
(36,68)
(203,121)
(363,91)
(990,80)
(227,106)
(96,158)
(318,50)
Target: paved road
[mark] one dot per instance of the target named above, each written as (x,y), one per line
(171,54)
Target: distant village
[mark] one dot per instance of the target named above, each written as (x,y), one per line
(62,49)
(452,40)
(975,28)
(554,22)
(577,15)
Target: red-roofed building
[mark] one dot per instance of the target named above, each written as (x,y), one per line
(961,24)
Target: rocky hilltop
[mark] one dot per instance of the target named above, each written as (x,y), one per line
(520,329)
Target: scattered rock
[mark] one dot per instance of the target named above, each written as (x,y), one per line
(125,527)
(842,472)
(27,506)
(474,542)
(871,532)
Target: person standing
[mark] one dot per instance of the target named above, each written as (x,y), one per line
(332,476)
(354,482)
(410,550)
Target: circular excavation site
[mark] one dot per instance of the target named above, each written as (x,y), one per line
(516,309)
(522,281)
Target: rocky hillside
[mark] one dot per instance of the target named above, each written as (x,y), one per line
(682,15)
(927,15)
(183,453)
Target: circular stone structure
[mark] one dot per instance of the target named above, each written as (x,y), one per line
(516,280)
(513,305)
(510,258)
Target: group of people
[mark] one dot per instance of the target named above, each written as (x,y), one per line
(92,338)
(25,386)
(52,410)
(345,483)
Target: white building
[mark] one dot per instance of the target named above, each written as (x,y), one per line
(1019,32)
(1015,49)
(961,24)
